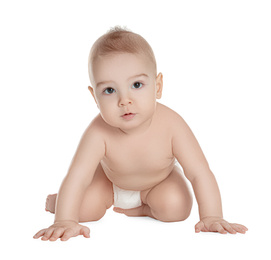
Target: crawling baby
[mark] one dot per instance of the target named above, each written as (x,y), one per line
(130,153)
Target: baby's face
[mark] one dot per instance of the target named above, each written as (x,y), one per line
(125,89)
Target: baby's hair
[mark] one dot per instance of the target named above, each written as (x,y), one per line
(120,40)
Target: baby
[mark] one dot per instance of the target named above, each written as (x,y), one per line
(127,155)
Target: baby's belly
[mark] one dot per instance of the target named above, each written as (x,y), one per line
(135,177)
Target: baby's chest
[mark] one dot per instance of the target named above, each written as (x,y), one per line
(149,154)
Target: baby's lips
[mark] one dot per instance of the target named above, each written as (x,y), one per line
(128,116)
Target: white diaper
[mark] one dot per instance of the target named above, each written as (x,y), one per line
(126,199)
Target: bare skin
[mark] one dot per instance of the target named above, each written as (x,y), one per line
(175,180)
(135,152)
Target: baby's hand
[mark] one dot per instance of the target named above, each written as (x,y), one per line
(63,230)
(215,224)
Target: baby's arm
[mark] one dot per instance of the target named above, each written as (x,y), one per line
(89,153)
(189,154)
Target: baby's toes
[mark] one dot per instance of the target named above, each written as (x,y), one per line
(50,203)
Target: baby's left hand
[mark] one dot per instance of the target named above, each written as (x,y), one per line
(216,224)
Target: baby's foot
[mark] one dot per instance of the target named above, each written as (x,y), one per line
(134,212)
(51,203)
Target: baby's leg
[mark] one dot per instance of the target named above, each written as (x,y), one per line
(168,201)
(98,198)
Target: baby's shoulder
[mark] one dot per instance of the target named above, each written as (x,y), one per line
(97,126)
(170,118)
(167,114)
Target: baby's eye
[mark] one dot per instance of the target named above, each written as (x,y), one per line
(137,85)
(109,91)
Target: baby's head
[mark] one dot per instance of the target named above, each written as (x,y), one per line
(116,41)
(123,74)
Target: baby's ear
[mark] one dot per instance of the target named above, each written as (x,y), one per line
(92,92)
(159,85)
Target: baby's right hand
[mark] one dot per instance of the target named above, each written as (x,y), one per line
(63,230)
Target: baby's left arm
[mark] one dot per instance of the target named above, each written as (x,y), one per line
(187,151)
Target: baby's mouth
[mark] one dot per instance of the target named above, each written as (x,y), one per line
(128,116)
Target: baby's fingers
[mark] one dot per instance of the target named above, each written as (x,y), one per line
(228,227)
(40,233)
(48,233)
(239,228)
(85,232)
(57,234)
(68,234)
(73,233)
(216,227)
(199,227)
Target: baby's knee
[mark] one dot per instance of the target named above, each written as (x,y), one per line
(92,215)
(174,209)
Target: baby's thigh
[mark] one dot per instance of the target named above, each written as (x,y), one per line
(172,196)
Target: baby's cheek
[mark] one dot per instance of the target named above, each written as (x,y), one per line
(109,117)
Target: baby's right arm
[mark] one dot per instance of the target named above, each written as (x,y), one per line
(89,153)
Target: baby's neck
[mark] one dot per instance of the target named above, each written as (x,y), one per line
(142,129)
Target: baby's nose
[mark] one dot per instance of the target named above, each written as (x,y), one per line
(125,100)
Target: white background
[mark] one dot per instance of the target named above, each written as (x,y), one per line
(216,60)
